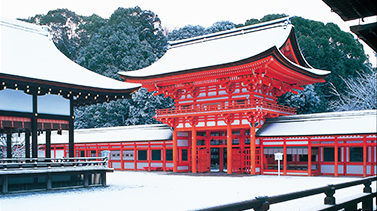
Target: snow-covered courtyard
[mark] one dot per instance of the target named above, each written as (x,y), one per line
(165,191)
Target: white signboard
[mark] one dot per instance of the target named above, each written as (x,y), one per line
(279,156)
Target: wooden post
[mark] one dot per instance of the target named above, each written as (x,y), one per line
(175,150)
(9,144)
(285,157)
(261,157)
(27,143)
(121,158)
(221,159)
(86,180)
(193,149)
(336,157)
(71,143)
(229,148)
(103,178)
(252,148)
(48,144)
(364,156)
(48,181)
(34,128)
(330,199)
(164,156)
(149,156)
(309,159)
(5,184)
(135,157)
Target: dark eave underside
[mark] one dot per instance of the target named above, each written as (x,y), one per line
(86,95)
(368,33)
(353,9)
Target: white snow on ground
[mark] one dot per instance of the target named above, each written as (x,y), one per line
(160,191)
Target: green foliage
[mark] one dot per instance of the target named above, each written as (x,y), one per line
(139,110)
(62,24)
(130,39)
(326,47)
(306,101)
(133,38)
(194,31)
(265,18)
(144,105)
(114,113)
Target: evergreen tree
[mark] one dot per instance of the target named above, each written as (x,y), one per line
(143,107)
(195,31)
(62,24)
(186,32)
(306,101)
(133,38)
(325,47)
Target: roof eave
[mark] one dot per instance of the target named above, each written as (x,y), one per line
(84,95)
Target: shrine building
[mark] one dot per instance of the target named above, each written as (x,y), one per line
(297,137)
(39,88)
(224,86)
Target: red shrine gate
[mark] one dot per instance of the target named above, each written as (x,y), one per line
(225,85)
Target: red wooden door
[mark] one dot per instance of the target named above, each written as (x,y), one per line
(236,158)
(204,160)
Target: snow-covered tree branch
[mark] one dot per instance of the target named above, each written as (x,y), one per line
(18,146)
(360,93)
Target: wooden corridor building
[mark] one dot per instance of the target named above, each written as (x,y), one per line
(298,137)
(39,88)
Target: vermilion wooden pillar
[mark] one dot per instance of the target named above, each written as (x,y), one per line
(285,157)
(309,158)
(252,148)
(229,148)
(365,156)
(336,157)
(175,150)
(193,148)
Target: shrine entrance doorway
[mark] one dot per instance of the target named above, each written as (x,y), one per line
(218,159)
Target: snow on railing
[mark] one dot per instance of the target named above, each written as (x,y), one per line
(24,163)
(227,107)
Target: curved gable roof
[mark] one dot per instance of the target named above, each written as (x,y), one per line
(224,49)
(28,56)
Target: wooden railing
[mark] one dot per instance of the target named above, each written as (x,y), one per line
(263,203)
(227,107)
(25,163)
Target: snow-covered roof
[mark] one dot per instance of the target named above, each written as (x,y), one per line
(332,123)
(155,132)
(222,48)
(27,52)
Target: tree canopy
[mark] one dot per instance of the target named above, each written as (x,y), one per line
(133,38)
